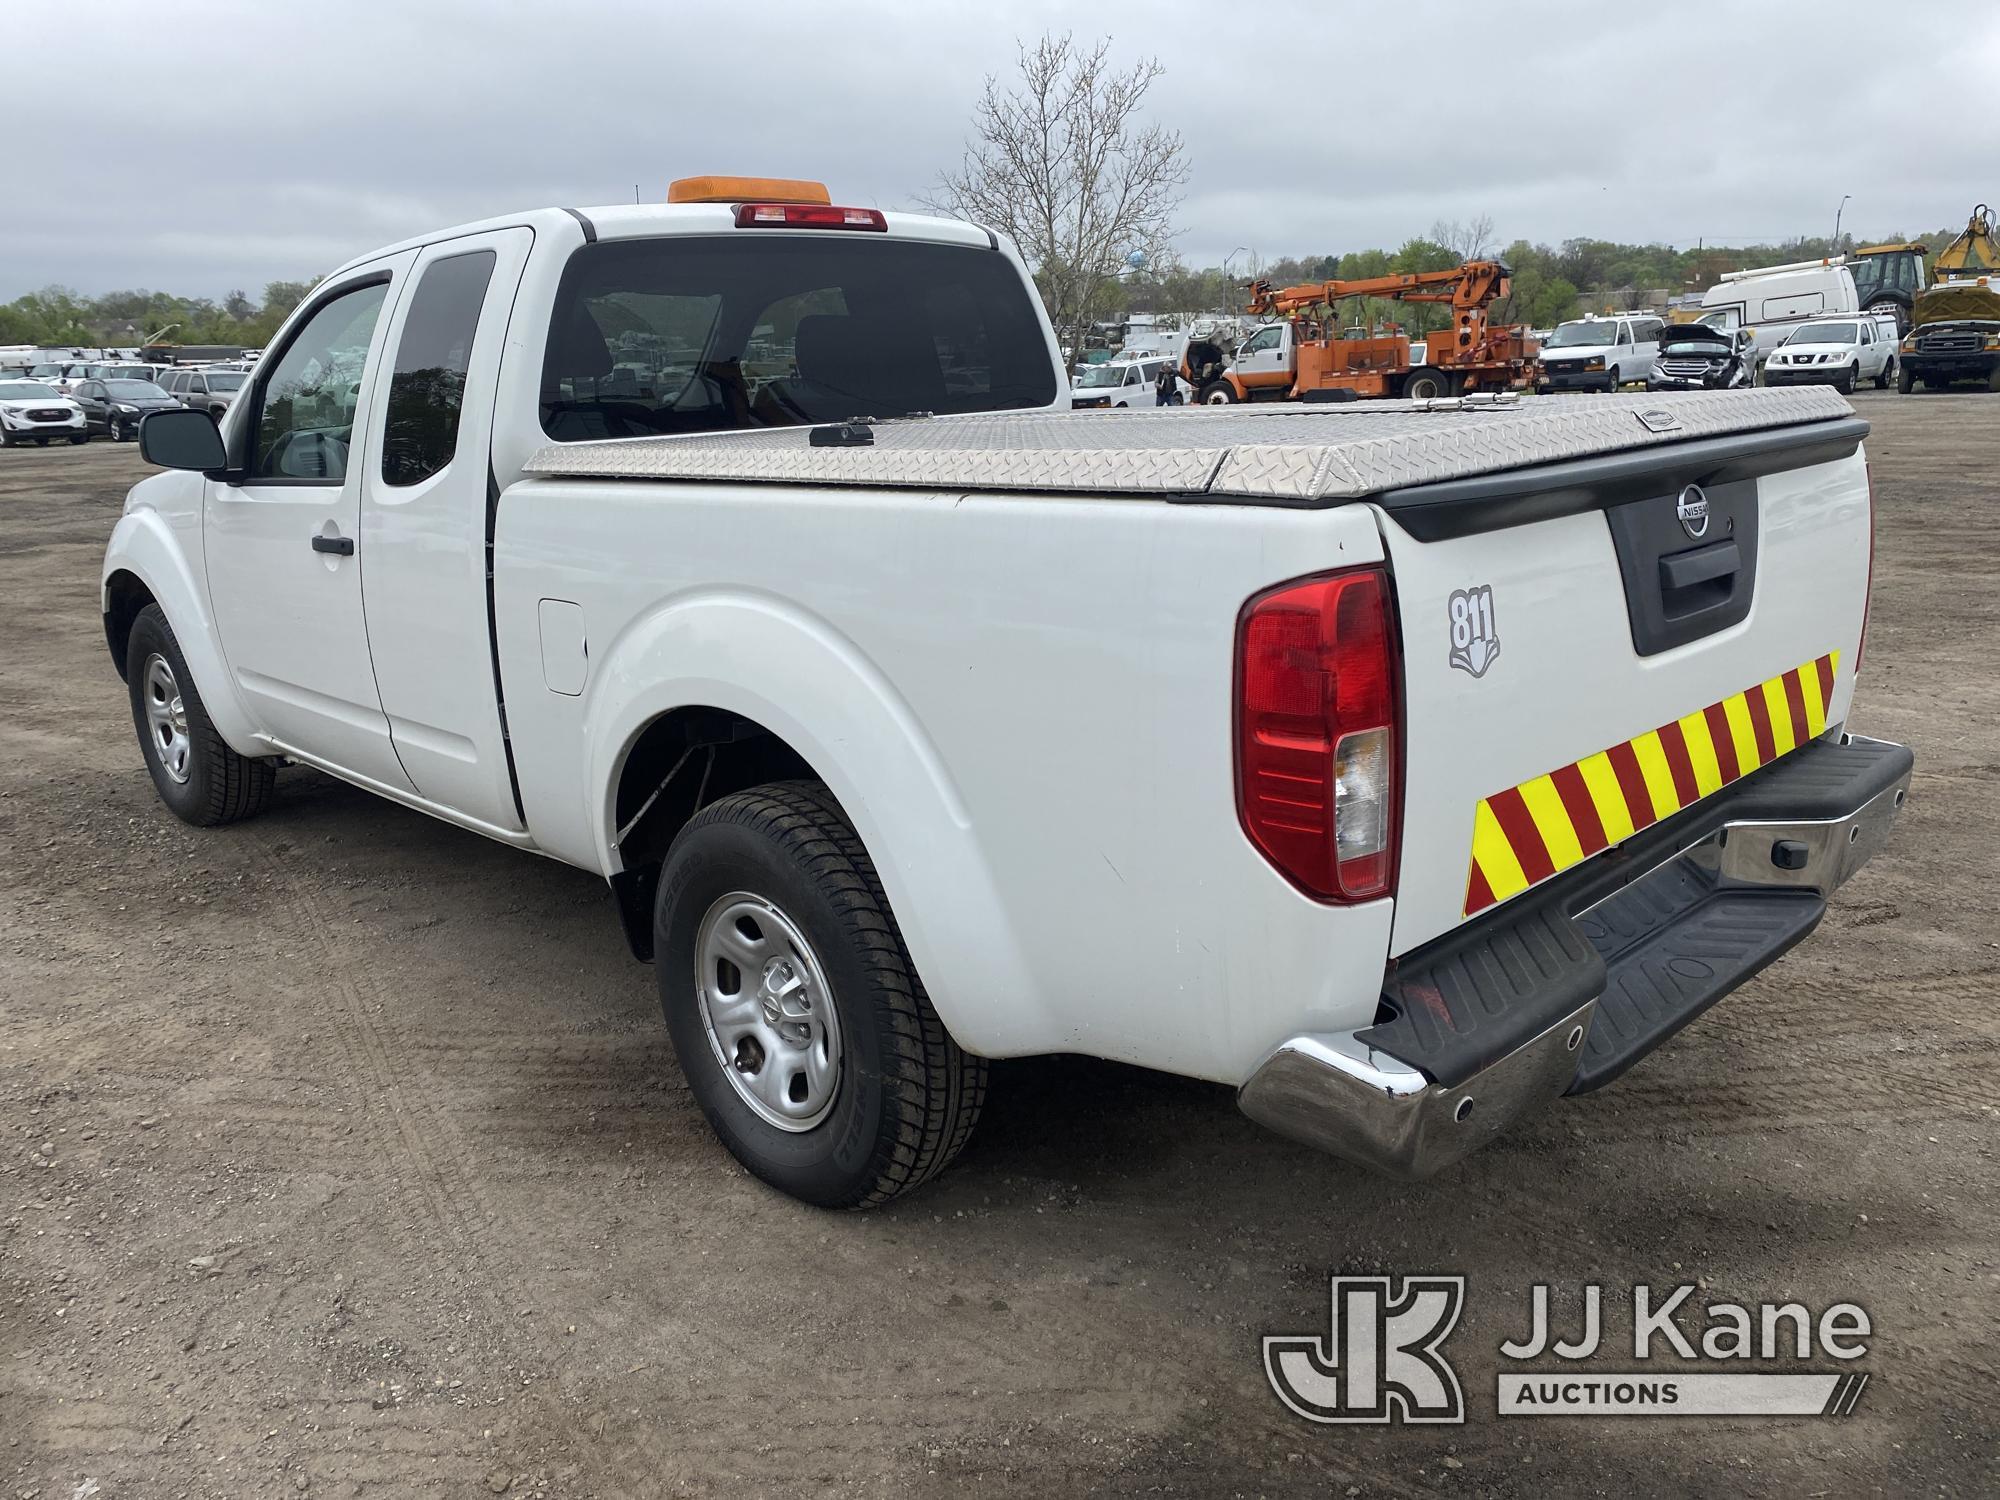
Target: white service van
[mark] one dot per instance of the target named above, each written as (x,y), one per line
(1600,354)
(1775,300)
(1117,382)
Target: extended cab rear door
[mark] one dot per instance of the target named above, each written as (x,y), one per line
(427,488)
(1571,680)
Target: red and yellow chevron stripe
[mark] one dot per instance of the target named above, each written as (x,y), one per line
(1529,832)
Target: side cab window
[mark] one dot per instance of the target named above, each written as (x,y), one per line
(304,420)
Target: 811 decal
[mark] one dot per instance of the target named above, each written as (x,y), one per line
(1475,641)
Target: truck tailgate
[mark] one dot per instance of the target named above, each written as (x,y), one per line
(1593,645)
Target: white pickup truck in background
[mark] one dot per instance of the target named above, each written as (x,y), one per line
(1840,352)
(1403,766)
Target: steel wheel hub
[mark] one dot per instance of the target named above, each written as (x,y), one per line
(166,717)
(768,1011)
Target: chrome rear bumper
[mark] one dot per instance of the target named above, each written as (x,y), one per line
(1345,1095)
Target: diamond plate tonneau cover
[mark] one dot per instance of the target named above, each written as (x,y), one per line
(1280,454)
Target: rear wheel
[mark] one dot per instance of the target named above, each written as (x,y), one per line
(799,1020)
(197,775)
(1426,384)
(1220,393)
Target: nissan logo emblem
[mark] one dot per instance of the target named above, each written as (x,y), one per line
(1692,508)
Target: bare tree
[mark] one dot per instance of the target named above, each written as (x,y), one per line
(1064,165)
(1470,241)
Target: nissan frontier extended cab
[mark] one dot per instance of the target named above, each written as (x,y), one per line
(1404,766)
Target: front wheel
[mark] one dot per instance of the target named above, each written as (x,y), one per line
(1993,379)
(77,440)
(1221,393)
(799,1021)
(1845,384)
(115,430)
(1888,374)
(197,775)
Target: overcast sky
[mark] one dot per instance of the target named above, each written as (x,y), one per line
(204,145)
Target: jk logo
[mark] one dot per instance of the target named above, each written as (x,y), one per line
(1379,1361)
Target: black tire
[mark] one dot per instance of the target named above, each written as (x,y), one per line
(1993,379)
(114,429)
(906,1096)
(1888,374)
(1611,381)
(1845,382)
(1218,393)
(1906,380)
(79,439)
(41,442)
(1426,384)
(220,786)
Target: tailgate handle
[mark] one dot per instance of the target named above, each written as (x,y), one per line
(1686,569)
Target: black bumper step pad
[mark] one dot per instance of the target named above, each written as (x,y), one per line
(1657,942)
(1672,946)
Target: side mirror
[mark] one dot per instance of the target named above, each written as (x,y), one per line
(181,438)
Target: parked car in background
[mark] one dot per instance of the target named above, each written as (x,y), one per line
(32,412)
(1125,382)
(1840,352)
(59,375)
(210,390)
(1599,354)
(123,369)
(1699,357)
(115,407)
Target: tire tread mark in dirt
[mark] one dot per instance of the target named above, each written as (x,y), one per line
(395,1110)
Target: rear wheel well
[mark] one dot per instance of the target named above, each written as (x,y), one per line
(124,596)
(681,762)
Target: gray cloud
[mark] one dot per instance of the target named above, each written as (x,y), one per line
(222,145)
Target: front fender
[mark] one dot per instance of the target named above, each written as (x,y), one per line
(764,658)
(145,544)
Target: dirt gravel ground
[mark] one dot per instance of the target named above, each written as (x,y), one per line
(342,1153)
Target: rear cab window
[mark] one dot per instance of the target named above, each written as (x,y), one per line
(427,390)
(700,333)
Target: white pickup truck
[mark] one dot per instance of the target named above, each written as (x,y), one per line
(1403,766)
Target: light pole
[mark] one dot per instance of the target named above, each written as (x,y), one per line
(158,334)
(1239,250)
(1836,221)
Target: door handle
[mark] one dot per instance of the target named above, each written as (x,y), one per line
(339,546)
(1686,569)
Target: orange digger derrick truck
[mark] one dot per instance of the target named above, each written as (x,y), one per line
(1302,354)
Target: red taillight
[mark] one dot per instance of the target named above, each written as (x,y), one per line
(1318,763)
(1867,597)
(806,216)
